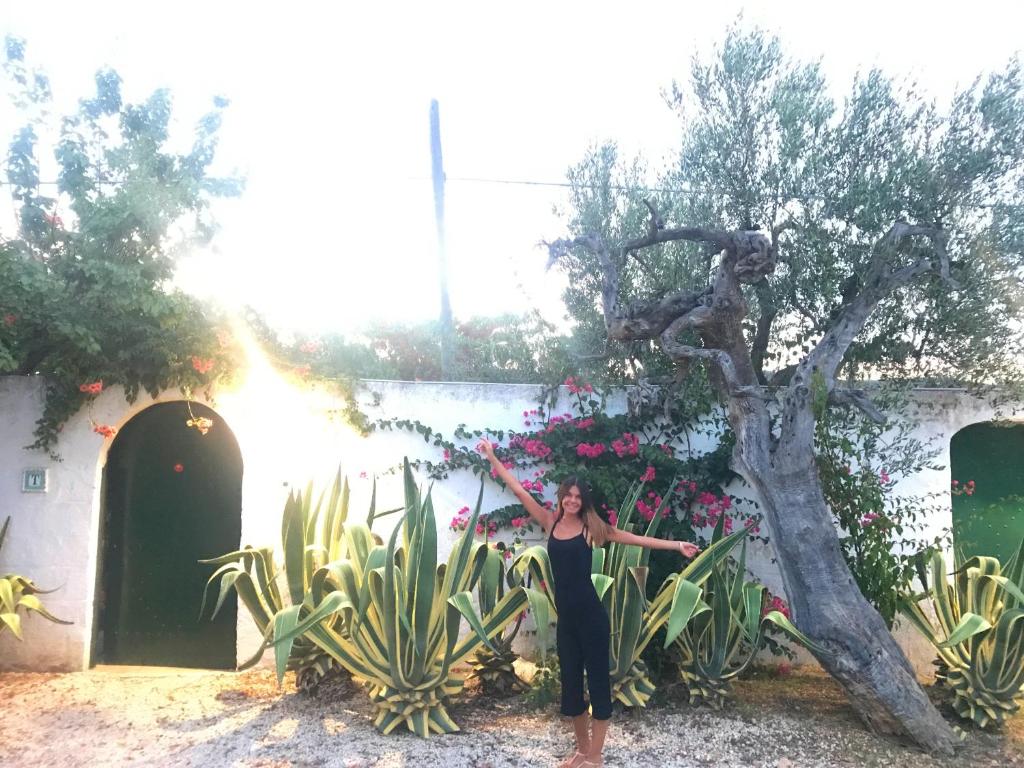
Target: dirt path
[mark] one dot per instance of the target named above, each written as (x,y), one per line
(142,717)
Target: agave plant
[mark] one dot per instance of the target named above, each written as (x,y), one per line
(391,615)
(19,593)
(493,665)
(619,574)
(309,542)
(980,632)
(726,630)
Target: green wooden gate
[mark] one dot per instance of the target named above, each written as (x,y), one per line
(991,520)
(171,496)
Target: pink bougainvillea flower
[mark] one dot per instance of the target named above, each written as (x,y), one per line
(646,511)
(706,498)
(613,517)
(447,455)
(179,468)
(628,445)
(884,477)
(91,388)
(648,475)
(536,448)
(590,451)
(585,423)
(10,319)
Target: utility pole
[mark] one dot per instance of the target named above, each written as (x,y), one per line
(442,260)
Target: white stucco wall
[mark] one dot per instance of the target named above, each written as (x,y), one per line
(287,435)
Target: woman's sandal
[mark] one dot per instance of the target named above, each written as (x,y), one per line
(570,762)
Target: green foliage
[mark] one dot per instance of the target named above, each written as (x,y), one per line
(545,685)
(978,632)
(84,294)
(859,463)
(18,593)
(507,348)
(764,146)
(726,631)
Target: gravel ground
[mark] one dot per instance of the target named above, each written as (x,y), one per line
(118,716)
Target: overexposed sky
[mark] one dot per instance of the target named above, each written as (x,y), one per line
(329,122)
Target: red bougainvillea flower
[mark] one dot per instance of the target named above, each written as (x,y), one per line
(91,388)
(202,364)
(575,387)
(179,468)
(776,604)
(104,429)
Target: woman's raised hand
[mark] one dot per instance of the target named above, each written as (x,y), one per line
(687,549)
(486,447)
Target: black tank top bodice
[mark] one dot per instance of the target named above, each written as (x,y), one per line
(570,566)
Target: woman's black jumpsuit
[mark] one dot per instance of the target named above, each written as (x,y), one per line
(583,628)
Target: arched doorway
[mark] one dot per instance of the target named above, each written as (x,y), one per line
(171,496)
(989,520)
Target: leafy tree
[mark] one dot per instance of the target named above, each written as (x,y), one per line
(505,348)
(827,245)
(85,294)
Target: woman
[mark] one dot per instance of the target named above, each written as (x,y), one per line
(583,628)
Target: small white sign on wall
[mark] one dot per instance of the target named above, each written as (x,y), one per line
(33,481)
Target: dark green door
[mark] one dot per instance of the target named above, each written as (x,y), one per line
(990,521)
(171,497)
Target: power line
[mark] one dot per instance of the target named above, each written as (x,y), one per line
(528,183)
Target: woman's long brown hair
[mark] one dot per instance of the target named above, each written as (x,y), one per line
(595,530)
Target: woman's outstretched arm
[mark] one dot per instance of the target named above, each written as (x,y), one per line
(542,516)
(685,548)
